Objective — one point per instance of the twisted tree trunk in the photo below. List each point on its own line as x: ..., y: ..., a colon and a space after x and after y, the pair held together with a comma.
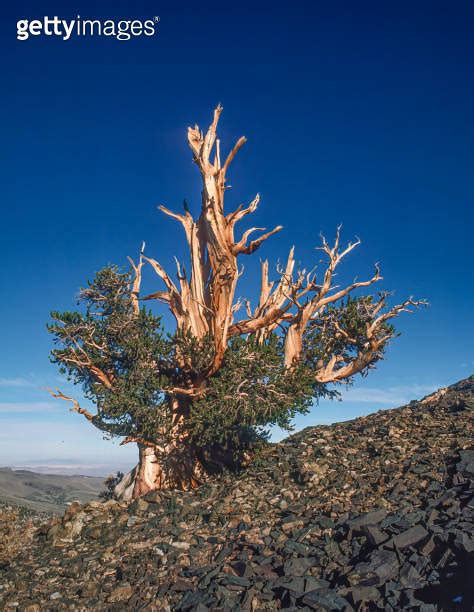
x: 158, y: 468
x: 177, y: 464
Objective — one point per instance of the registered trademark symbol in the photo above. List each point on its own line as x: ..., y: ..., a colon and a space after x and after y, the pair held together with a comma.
x: 156, y: 19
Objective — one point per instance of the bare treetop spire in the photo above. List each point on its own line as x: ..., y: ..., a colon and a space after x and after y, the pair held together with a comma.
x: 205, y: 301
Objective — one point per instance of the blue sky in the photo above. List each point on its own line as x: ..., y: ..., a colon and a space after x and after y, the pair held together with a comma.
x: 360, y: 113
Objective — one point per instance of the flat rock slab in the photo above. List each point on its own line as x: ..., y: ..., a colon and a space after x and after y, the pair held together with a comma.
x: 410, y: 537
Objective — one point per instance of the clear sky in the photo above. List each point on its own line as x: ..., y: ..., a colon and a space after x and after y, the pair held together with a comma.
x: 355, y: 112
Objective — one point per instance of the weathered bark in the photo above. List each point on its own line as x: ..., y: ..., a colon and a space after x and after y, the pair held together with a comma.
x: 177, y: 468
x: 177, y: 463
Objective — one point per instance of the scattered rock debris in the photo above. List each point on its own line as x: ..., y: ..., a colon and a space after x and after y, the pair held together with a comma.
x: 371, y: 514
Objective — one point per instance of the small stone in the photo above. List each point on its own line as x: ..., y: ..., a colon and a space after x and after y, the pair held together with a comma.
x: 299, y: 566
x: 370, y: 518
x: 181, y: 545
x: 290, y: 525
x: 122, y: 592
x: 317, y: 600
x: 428, y: 547
x: 235, y: 581
x: 382, y: 566
x: 139, y: 506
x: 182, y: 585
x: 466, y: 464
x: 374, y: 535
x: 153, y: 497
x: 365, y: 594
x: 410, y: 537
x: 410, y: 577
x: 464, y: 543
x: 89, y: 589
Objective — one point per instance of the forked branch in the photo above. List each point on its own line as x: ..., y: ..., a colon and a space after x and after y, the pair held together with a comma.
x: 75, y: 404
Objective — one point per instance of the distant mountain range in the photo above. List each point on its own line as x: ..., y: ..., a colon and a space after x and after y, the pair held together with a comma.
x: 46, y: 492
x: 70, y: 469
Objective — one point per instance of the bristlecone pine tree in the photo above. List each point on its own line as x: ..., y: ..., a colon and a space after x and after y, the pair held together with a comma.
x: 200, y: 399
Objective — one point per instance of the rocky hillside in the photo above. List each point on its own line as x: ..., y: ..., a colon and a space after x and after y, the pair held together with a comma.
x: 372, y: 514
x: 46, y: 492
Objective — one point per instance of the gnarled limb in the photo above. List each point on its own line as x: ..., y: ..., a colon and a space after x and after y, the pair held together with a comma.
x: 273, y: 307
x: 218, y: 230
x: 238, y: 145
x: 75, y: 404
x: 77, y: 355
x: 241, y: 212
x: 283, y: 304
x: 248, y: 249
x: 339, y: 368
x: 321, y: 298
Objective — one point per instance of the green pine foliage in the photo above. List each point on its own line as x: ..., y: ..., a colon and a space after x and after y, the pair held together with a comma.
x: 342, y: 330
x: 133, y: 351
x: 250, y: 392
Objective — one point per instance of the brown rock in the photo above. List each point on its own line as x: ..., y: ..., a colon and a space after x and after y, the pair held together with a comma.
x: 123, y: 592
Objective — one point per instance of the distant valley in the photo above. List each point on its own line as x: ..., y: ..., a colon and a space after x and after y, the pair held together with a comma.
x: 46, y: 492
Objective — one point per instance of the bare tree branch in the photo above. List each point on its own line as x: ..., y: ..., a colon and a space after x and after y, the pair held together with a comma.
x: 241, y: 212
x: 135, y: 288
x: 372, y: 351
x: 238, y: 145
x: 75, y: 404
x: 137, y: 440
x: 242, y: 247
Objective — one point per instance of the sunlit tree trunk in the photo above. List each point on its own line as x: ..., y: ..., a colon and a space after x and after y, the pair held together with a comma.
x: 177, y: 468
x: 172, y: 463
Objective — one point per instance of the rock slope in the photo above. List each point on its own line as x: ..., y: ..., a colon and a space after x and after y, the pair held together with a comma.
x: 371, y: 514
